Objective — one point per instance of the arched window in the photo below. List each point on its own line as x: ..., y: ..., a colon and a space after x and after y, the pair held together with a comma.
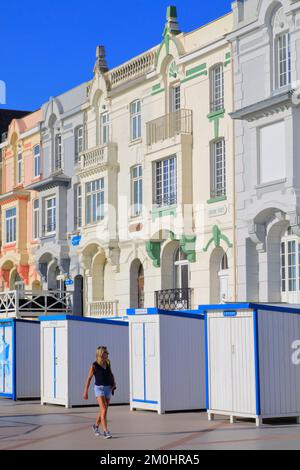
x: 224, y: 263
x: 282, y: 50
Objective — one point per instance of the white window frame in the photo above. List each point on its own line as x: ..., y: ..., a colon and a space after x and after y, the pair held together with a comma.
x: 94, y: 201
x: 283, y: 60
x: 218, y: 169
x: 36, y: 160
x: 290, y: 264
x: 50, y: 228
x: 136, y: 190
x: 79, y: 142
x: 136, y: 120
x: 19, y: 167
x: 165, y: 180
x: 35, y: 219
x: 11, y: 225
x: 78, y: 206
x: 104, y: 128
x: 179, y: 263
x: 175, y: 99
x: 217, y: 88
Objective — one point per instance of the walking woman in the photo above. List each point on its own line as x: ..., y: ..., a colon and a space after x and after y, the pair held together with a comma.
x: 104, y: 387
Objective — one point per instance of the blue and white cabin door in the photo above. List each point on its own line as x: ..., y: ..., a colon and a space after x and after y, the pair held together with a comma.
x: 220, y: 383
x: 232, y: 365
x: 243, y: 365
x: 60, y: 363
x: 151, y: 363
x: 6, y: 360
x: 55, y: 371
x: 137, y: 367
x: 144, y: 363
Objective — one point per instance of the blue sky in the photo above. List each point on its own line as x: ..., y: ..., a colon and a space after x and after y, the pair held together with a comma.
x: 49, y: 47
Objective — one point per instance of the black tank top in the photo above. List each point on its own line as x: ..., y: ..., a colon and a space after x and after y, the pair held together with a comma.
x: 103, y: 376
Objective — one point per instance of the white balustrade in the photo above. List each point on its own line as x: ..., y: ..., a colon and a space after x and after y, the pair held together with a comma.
x: 104, y: 309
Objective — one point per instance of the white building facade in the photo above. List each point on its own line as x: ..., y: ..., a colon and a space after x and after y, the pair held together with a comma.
x: 266, y: 45
x: 155, y: 181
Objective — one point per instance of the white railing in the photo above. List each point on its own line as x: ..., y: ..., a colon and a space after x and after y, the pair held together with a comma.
x: 133, y: 69
x: 104, y: 309
x: 93, y: 157
x: 97, y: 157
x: 169, y: 125
x: 32, y: 304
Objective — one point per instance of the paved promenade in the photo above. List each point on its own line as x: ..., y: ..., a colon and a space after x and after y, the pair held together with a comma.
x: 30, y: 426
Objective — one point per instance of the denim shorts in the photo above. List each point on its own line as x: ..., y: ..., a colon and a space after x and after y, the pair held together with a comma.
x: 103, y: 391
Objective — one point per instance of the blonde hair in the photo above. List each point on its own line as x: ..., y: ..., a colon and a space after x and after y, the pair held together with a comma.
x: 99, y: 355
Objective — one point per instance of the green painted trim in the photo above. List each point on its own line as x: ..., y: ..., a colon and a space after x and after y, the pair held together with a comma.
x: 188, y: 246
x: 200, y: 68
x: 227, y: 63
x: 216, y: 239
x: 164, y: 212
x: 216, y: 114
x: 173, y: 70
x: 157, y: 92
x: 217, y: 199
x: 215, y: 118
x: 153, y: 251
x: 194, y: 76
x: 228, y: 55
x: 156, y: 87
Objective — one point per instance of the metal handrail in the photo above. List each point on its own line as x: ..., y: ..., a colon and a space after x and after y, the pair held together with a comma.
x: 32, y: 304
x: 173, y: 299
x: 169, y: 125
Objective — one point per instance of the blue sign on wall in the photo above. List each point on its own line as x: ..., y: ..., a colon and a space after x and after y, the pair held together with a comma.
x: 230, y: 314
x: 69, y: 282
x: 76, y: 240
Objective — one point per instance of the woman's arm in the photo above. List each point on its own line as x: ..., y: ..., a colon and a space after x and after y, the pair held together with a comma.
x: 87, y: 384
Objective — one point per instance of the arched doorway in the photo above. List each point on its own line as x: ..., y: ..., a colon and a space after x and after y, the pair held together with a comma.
x: 219, y: 276
x: 137, y: 284
x: 78, y: 296
x: 16, y: 282
x: 175, y: 279
x: 224, y: 278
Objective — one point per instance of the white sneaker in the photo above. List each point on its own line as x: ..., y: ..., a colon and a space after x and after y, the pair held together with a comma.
x: 96, y: 430
x: 107, y: 435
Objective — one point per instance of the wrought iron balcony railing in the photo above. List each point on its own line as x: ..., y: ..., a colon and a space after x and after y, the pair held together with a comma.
x: 173, y: 299
x: 170, y: 125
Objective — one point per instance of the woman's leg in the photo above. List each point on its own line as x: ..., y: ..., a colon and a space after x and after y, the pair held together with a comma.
x: 103, y: 412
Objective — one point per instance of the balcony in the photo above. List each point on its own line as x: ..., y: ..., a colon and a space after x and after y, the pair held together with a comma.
x: 170, y: 125
x: 133, y: 69
x: 97, y: 158
x: 173, y: 299
x: 103, y: 309
x: 28, y: 304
